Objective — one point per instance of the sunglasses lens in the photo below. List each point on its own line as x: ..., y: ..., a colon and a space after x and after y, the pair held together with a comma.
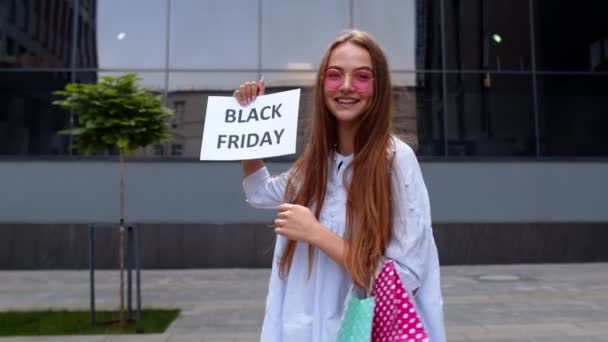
x: 333, y: 79
x: 362, y: 80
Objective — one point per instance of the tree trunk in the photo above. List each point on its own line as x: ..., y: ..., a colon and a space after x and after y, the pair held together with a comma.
x: 121, y: 247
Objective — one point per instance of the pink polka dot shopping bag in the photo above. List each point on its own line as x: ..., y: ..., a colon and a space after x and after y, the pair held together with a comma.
x: 388, y: 314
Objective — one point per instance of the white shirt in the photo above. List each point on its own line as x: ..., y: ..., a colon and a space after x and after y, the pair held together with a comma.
x: 300, y: 308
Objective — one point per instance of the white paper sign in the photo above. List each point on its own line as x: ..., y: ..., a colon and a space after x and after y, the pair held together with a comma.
x: 266, y: 128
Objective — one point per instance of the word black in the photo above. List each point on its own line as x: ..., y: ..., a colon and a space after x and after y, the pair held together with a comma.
x: 231, y: 114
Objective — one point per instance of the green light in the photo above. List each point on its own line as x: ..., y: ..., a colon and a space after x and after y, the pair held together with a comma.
x: 496, y: 38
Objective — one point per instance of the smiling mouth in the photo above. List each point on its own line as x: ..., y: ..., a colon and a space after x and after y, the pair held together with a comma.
x: 346, y: 101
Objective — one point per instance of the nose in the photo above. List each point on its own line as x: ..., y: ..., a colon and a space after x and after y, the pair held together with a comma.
x: 347, y: 84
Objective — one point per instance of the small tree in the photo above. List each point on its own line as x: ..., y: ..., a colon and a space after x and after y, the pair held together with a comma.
x: 115, y: 114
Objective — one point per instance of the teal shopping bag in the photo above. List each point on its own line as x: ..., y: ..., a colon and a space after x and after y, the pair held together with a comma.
x: 356, y: 325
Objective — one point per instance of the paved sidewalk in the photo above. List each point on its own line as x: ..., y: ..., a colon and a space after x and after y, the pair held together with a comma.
x: 542, y: 303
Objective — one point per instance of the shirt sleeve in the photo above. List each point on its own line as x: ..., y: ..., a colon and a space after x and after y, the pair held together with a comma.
x: 264, y: 191
x: 412, y: 231
x: 272, y: 327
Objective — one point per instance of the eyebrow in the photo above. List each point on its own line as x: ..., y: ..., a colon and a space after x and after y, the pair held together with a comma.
x: 342, y: 69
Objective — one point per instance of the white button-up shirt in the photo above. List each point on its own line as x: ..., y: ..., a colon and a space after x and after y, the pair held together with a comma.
x: 303, y: 308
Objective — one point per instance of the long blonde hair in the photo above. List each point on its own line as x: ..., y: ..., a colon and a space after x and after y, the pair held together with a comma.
x: 369, y: 206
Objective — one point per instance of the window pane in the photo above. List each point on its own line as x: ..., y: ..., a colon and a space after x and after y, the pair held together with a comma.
x: 131, y: 33
x: 573, y: 115
x: 427, y: 93
x: 296, y: 33
x: 214, y: 34
x: 571, y: 36
x: 490, y: 115
x: 86, y: 42
x: 489, y: 34
x: 187, y: 96
x: 208, y: 81
x: 428, y: 35
x: 37, y: 34
x: 28, y: 120
x: 393, y: 25
x: 405, y: 119
x: 153, y: 81
x: 292, y: 79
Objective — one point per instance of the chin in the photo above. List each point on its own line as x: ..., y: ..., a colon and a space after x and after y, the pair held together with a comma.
x: 347, y: 117
x: 346, y: 114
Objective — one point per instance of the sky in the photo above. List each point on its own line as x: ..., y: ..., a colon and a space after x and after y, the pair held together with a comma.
x: 218, y: 34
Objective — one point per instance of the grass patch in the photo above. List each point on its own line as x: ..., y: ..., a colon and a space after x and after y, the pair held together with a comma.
x: 64, y: 322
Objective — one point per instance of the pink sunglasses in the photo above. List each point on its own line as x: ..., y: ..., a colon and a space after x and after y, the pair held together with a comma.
x: 360, y: 80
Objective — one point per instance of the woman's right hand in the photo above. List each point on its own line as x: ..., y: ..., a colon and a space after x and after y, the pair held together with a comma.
x: 245, y: 95
x: 248, y: 92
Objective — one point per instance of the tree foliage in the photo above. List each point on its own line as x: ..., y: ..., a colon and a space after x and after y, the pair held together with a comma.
x: 115, y: 113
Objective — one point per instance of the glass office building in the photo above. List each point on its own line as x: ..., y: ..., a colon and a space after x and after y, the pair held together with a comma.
x: 483, y: 78
x: 497, y: 87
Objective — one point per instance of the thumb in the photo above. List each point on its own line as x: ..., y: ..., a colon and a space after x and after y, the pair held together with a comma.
x: 261, y: 86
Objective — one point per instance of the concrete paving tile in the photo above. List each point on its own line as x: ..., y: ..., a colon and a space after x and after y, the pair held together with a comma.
x: 137, y: 338
x: 185, y: 338
x: 79, y: 338
x: 550, y: 303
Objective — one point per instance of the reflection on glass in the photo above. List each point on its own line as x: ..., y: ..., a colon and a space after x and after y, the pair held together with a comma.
x: 28, y: 120
x: 428, y: 109
x: 297, y: 33
x: 571, y: 36
x: 187, y: 96
x: 393, y: 25
x: 405, y: 116
x: 489, y: 34
x: 131, y: 34
x: 214, y: 34
x: 39, y: 34
x: 208, y: 81
x: 490, y: 115
x: 153, y: 81
x: 573, y: 116
x: 304, y: 78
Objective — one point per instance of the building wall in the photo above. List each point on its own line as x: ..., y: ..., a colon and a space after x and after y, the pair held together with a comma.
x: 210, y: 192
x: 194, y: 214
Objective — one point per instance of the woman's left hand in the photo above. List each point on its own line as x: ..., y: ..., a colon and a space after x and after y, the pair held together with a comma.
x: 296, y: 222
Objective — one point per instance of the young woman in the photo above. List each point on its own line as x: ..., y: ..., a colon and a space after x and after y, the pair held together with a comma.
x: 355, y: 195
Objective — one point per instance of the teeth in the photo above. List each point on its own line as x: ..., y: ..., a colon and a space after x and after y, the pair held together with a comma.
x: 347, y: 100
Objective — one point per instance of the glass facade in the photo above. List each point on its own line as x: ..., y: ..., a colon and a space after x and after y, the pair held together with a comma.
x: 472, y: 78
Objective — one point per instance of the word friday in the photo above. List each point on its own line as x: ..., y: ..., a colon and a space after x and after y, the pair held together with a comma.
x: 248, y: 140
x: 251, y: 139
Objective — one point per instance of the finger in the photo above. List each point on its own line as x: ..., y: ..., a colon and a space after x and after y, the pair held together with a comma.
x: 279, y: 223
x: 285, y: 207
x: 282, y: 215
x: 284, y: 232
x: 237, y: 96
x: 261, y: 87
x: 251, y: 90
x: 242, y: 93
